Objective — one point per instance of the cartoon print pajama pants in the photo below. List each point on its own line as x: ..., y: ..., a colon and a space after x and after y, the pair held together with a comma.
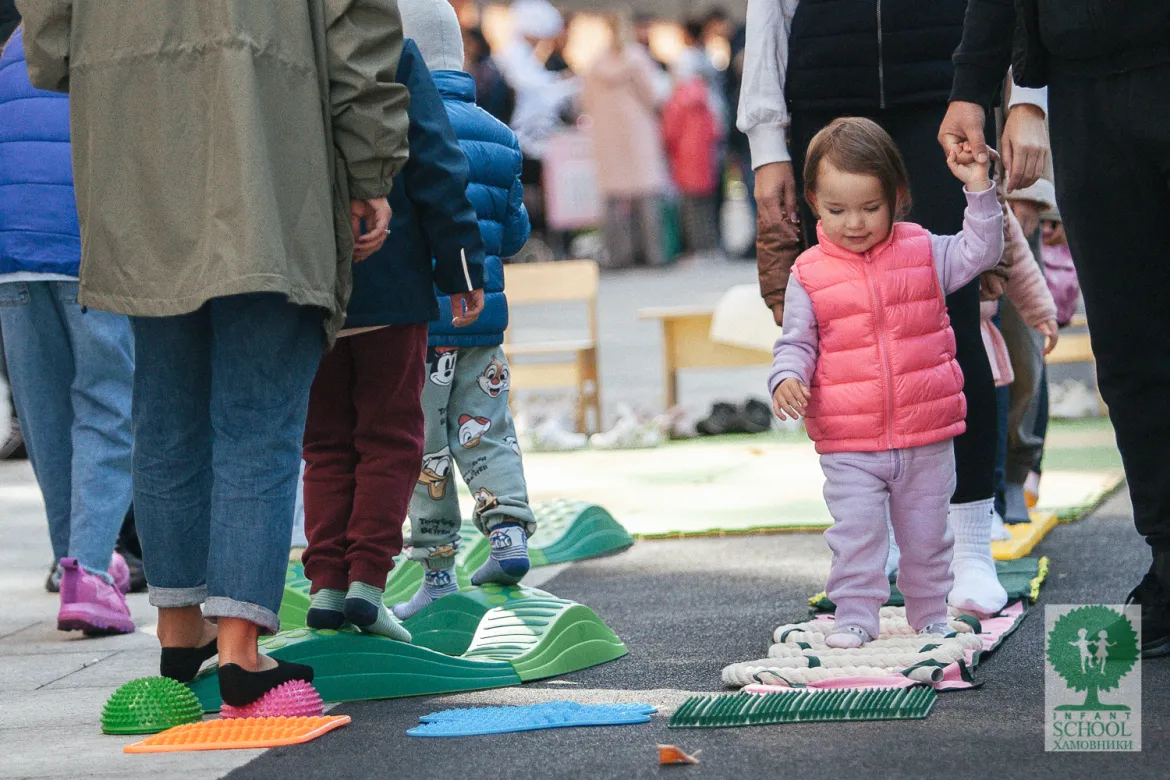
x: 916, y: 484
x: 468, y: 424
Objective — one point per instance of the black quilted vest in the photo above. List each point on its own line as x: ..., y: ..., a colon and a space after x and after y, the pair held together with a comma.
x: 863, y: 55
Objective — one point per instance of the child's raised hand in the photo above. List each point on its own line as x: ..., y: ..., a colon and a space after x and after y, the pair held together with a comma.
x: 790, y: 399
x: 1051, y: 333
x: 961, y: 160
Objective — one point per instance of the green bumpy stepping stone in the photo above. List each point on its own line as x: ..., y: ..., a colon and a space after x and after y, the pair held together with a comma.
x: 449, y: 624
x: 351, y: 666
x: 746, y: 709
x: 149, y: 705
x: 295, y: 603
x: 574, y: 531
x: 543, y: 636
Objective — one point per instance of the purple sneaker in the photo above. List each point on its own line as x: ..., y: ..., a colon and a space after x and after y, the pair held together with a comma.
x: 120, y: 571
x: 90, y: 604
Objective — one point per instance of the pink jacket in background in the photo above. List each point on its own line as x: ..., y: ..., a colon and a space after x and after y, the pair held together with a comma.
x: 1061, y: 276
x: 627, y: 142
x: 692, y: 134
x: 1028, y: 292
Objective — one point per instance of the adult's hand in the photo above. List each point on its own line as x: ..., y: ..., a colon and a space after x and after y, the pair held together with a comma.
x: 376, y: 214
x: 1025, y: 146
x: 776, y: 192
x: 964, y: 124
x: 466, y: 308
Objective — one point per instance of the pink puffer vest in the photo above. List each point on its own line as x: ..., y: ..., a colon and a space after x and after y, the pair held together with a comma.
x: 886, y: 375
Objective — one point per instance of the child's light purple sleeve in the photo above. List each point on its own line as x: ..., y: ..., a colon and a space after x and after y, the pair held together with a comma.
x: 959, y: 259
x: 795, y: 353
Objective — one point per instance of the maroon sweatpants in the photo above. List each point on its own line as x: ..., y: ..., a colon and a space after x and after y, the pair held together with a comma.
x: 363, y: 454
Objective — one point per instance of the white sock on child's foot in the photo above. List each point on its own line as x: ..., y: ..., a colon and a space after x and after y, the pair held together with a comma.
x: 976, y: 587
x: 436, y: 584
x: 848, y: 638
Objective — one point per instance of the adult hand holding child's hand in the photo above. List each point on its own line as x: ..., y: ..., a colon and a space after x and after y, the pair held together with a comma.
x: 790, y: 399
x: 964, y: 164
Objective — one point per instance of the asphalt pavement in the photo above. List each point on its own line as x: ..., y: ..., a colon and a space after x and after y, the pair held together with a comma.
x: 686, y: 608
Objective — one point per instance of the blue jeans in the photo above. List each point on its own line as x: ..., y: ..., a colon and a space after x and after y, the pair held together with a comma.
x: 71, y: 374
x: 220, y: 398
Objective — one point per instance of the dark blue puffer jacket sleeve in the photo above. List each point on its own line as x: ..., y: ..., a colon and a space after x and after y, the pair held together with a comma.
x: 516, y: 225
x: 436, y: 182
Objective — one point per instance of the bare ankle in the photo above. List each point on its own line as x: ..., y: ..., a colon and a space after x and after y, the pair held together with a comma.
x: 181, y: 627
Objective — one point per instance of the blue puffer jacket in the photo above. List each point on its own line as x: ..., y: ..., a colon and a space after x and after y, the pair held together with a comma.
x: 432, y: 218
x: 493, y: 155
x: 38, y: 214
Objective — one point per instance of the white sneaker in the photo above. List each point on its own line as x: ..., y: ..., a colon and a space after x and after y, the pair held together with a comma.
x: 628, y: 433
x: 551, y: 436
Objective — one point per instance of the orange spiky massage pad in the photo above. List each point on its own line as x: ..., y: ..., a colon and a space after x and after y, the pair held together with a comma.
x: 238, y: 734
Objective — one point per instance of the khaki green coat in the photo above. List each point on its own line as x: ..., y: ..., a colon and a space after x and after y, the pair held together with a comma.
x: 216, y: 143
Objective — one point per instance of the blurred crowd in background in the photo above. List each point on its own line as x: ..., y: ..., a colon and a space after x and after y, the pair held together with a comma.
x: 627, y: 125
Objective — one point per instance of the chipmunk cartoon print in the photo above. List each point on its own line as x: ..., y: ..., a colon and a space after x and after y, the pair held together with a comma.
x: 485, y: 501
x: 472, y: 429
x: 441, y: 364
x: 495, y: 379
x: 511, y: 442
x: 436, y: 472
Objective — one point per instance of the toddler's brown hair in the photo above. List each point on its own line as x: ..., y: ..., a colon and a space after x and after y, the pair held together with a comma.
x: 861, y: 146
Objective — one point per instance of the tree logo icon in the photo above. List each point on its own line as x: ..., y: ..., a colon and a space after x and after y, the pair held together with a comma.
x: 1093, y: 648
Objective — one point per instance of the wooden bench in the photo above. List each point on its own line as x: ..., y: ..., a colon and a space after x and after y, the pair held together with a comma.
x: 686, y: 343
x: 544, y: 364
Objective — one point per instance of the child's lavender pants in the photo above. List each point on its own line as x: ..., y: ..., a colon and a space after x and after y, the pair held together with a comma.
x: 916, y: 484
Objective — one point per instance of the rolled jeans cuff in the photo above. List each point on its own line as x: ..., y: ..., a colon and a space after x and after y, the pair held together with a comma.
x: 174, y: 598
x: 221, y: 607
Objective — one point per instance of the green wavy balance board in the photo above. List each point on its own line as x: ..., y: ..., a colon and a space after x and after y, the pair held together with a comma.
x: 509, y: 635
x: 569, y: 531
x: 449, y: 624
x: 575, y: 531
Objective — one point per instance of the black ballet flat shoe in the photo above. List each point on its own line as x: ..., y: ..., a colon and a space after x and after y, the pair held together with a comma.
x: 239, y: 687
x: 182, y: 663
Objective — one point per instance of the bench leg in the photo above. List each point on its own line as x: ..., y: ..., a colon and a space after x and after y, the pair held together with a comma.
x: 588, y: 392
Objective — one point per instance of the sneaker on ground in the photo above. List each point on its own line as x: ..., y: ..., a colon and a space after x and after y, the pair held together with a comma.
x: 724, y: 418
x: 1032, y: 489
x: 552, y: 436
x: 11, y: 440
x: 1154, y: 601
x: 90, y: 604
x: 628, y: 433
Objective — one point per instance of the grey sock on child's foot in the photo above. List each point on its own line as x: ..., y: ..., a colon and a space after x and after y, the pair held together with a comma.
x: 509, y: 557
x: 326, y: 609
x: 364, y: 608
x: 436, y: 584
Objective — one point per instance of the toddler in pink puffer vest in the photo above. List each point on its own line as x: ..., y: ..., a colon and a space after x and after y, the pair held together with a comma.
x: 867, y: 357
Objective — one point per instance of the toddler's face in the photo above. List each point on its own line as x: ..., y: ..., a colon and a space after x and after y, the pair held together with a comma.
x: 1052, y: 233
x: 854, y: 212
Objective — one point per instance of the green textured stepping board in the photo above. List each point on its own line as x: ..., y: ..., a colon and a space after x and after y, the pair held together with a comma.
x: 510, y: 635
x: 543, y: 636
x: 349, y: 666
x: 574, y: 531
x: 1021, y: 578
x: 569, y: 531
x: 449, y: 624
x: 746, y: 709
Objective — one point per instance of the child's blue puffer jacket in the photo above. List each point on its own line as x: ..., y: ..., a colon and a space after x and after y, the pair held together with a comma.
x: 494, y: 189
x: 38, y: 213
